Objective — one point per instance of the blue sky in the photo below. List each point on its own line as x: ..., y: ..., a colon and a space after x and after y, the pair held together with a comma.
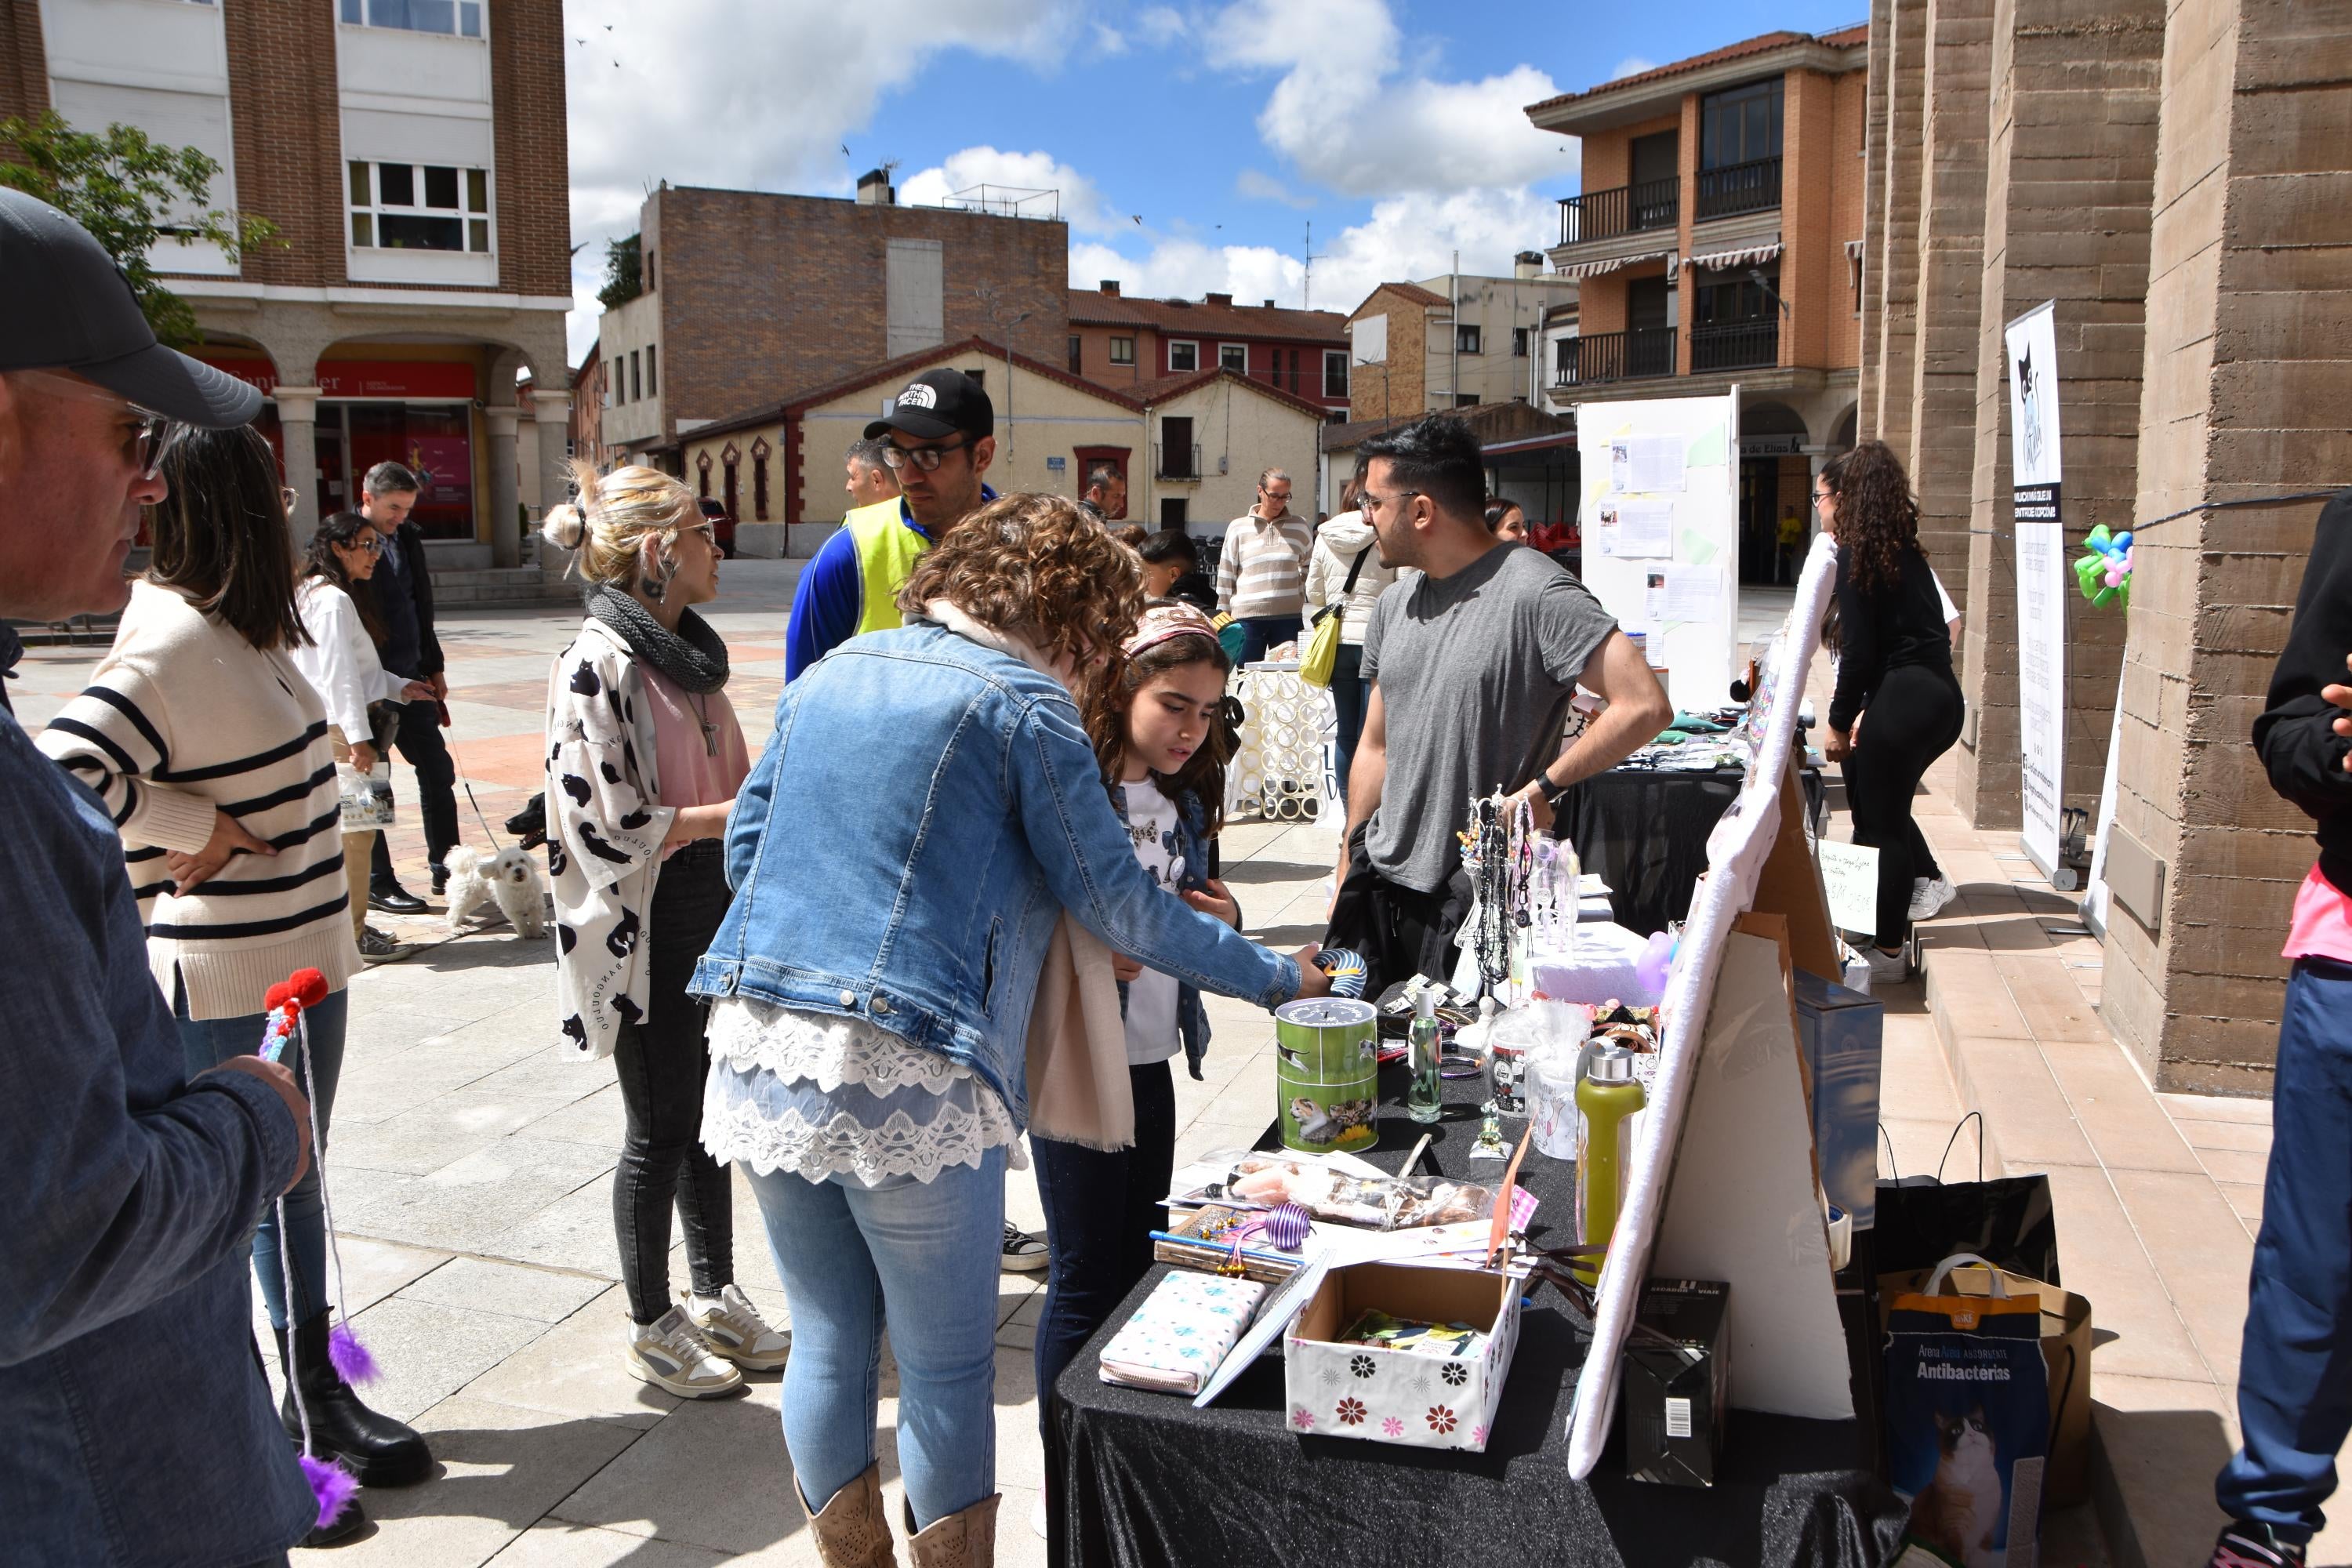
x: 1393, y: 126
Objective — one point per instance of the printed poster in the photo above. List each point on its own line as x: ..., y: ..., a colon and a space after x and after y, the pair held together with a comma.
x: 2032, y: 346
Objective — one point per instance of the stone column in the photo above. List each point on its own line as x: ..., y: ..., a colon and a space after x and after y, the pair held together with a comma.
x: 1873, y: 217
x: 298, y: 423
x: 506, y: 536
x: 551, y: 411
x: 2243, y: 396
x: 1897, y: 257
x: 2070, y: 170
x: 1950, y: 283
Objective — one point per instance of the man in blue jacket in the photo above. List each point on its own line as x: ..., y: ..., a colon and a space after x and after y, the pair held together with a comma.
x: 138, y: 1425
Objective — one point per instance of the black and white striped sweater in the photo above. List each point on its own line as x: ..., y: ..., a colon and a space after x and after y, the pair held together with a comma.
x: 181, y: 718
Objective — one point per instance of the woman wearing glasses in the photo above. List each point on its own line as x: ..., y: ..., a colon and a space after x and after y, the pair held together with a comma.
x: 209, y: 750
x: 1895, y: 660
x: 342, y: 661
x: 643, y: 757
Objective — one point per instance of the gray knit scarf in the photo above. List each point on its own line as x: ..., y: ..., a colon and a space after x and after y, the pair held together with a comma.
x: 692, y: 655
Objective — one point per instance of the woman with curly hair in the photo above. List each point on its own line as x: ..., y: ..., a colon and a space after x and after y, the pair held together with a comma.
x: 930, y: 884
x: 1895, y: 660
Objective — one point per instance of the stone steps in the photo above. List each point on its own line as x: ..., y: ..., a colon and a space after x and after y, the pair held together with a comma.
x: 499, y: 587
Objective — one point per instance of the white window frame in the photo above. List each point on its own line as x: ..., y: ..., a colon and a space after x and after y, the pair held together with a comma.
x: 376, y: 210
x: 1175, y: 343
x: 458, y: 10
x: 1117, y: 358
x: 1240, y: 349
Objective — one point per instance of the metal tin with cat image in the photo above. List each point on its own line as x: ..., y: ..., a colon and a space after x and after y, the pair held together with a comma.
x: 1326, y: 1073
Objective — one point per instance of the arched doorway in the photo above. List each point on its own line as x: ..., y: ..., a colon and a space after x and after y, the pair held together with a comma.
x: 1774, y: 479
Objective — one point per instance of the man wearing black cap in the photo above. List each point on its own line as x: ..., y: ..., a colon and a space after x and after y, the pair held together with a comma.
x: 139, y: 1428
x: 938, y: 438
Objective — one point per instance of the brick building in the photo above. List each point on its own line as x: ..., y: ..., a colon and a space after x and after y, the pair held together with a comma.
x: 1117, y: 341
x: 1719, y: 237
x: 749, y: 296
x: 586, y: 427
x: 414, y: 163
x: 1454, y: 340
x: 2171, y: 176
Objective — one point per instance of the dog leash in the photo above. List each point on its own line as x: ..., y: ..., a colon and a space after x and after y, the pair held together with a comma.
x: 479, y: 815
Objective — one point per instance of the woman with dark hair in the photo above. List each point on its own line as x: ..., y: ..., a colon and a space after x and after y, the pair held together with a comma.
x: 343, y: 662
x: 908, y: 981
x: 1895, y: 660
x: 1506, y: 519
x: 209, y: 749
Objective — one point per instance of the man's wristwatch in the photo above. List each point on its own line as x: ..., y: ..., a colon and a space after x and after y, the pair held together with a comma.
x: 1550, y: 792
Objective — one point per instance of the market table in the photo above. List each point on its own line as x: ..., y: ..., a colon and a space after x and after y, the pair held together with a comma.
x: 1143, y: 1478
x: 1644, y: 831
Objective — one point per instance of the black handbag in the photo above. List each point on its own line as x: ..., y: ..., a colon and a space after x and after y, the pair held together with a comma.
x: 2008, y: 1221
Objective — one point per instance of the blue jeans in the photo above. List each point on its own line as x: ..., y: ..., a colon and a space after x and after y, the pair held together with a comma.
x: 921, y: 1256
x: 2294, y: 1372
x: 1348, y: 694
x: 1264, y: 635
x: 213, y: 1042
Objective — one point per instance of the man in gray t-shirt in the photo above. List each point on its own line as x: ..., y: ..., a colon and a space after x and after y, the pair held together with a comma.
x: 1470, y: 665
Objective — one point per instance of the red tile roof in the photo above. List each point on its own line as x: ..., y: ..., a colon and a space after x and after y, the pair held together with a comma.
x: 1763, y: 43
x: 891, y: 370
x: 1184, y: 318
x: 1162, y: 389
x: 1413, y: 292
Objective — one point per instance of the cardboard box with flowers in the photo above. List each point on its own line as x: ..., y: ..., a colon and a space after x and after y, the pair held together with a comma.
x: 1401, y: 1354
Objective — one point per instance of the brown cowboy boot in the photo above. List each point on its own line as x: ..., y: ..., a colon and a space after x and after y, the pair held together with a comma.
x: 852, y: 1530
x: 966, y: 1540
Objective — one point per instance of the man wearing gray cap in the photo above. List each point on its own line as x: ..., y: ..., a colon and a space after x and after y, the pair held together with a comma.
x: 139, y: 1428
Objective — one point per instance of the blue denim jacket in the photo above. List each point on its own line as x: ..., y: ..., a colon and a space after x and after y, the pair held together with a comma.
x: 135, y: 1426
x: 1192, y: 844
x: 903, y: 848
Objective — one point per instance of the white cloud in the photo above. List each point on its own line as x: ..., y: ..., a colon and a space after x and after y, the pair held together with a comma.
x: 652, y: 95
x: 1081, y: 202
x: 1347, y: 114
x: 1264, y: 187
x: 1109, y: 40
x: 1160, y: 25
x: 1632, y: 65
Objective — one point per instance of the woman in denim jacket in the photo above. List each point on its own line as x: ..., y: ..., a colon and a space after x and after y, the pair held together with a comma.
x: 929, y: 882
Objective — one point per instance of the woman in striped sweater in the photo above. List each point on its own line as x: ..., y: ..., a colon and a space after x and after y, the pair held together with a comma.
x: 209, y: 750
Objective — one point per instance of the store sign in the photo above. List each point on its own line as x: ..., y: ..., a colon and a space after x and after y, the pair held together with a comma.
x: 426, y: 380
x: 2032, y: 345
x: 1771, y: 446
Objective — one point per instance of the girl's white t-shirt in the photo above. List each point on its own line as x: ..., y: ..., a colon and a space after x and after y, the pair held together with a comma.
x: 1151, y: 995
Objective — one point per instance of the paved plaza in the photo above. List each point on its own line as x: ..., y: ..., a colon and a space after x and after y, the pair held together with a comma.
x: 471, y: 1172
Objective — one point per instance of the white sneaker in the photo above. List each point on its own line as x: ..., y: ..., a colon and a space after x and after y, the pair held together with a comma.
x: 1888, y: 968
x: 1929, y: 895
x: 1024, y: 1253
x: 734, y: 1330
x: 671, y: 1354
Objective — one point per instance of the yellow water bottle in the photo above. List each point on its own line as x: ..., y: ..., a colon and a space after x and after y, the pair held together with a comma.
x: 1606, y: 1098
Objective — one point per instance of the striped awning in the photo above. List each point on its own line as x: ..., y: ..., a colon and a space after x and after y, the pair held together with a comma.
x: 1731, y: 260
x: 1581, y: 269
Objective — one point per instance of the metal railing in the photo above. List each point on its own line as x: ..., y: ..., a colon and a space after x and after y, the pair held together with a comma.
x: 1175, y: 462
x: 1735, y: 345
x: 1626, y: 209
x: 1633, y: 355
x: 1738, y: 189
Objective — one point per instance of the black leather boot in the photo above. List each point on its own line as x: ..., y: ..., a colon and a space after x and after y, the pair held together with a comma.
x: 379, y: 1451
x: 348, y: 1523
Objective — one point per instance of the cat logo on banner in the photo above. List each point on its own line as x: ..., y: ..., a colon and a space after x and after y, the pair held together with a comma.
x: 1967, y: 1421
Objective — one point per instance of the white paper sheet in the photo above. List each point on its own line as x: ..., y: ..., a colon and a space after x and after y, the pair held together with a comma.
x: 1636, y: 528
x: 1645, y: 464
x: 1850, y: 876
x: 1693, y: 594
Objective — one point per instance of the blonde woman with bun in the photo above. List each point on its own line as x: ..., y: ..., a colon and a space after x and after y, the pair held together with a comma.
x: 643, y: 758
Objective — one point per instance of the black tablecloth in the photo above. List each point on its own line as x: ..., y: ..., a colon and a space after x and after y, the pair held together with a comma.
x: 1644, y: 831
x: 1145, y: 1480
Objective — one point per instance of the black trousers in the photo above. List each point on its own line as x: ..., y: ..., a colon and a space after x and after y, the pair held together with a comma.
x: 422, y: 746
x: 1101, y: 1207
x: 1912, y: 717
x: 662, y: 1062
x: 1400, y: 932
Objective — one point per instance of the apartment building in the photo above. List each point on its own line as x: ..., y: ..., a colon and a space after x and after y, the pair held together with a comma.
x: 746, y: 297
x: 1718, y: 240
x: 1454, y: 340
x: 412, y: 158
x: 1118, y: 342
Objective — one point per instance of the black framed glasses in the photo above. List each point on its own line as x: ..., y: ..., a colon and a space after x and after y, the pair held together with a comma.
x: 927, y: 458
x: 1372, y: 503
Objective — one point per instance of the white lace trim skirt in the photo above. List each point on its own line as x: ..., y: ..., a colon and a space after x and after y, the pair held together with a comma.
x: 828, y: 1096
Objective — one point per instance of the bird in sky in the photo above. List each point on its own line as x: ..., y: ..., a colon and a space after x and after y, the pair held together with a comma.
x: 1137, y: 217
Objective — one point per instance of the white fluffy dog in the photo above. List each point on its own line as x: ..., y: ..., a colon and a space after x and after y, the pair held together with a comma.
x: 509, y: 878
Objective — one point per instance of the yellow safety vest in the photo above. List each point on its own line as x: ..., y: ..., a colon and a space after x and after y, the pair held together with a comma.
x: 886, y: 551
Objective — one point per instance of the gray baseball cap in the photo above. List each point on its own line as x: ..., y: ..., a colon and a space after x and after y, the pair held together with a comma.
x: 71, y: 308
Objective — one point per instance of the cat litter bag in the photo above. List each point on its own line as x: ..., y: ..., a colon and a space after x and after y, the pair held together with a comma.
x: 1968, y: 1419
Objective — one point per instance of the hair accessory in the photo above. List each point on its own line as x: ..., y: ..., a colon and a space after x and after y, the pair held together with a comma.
x: 1165, y: 622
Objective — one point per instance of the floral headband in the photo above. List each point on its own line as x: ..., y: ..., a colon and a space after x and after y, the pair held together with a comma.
x: 1165, y: 622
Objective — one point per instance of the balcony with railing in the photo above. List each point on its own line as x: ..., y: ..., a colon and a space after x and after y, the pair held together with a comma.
x: 1603, y: 357
x: 1625, y: 209
x: 1737, y: 188
x: 1175, y: 461
x: 1735, y: 345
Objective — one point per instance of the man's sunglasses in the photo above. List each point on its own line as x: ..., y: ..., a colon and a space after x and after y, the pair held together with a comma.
x: 927, y: 458
x: 157, y: 433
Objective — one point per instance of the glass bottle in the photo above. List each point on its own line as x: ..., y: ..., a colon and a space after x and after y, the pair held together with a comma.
x: 1426, y: 1096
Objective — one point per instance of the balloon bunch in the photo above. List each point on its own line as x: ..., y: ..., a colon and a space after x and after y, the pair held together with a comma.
x: 2104, y: 571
